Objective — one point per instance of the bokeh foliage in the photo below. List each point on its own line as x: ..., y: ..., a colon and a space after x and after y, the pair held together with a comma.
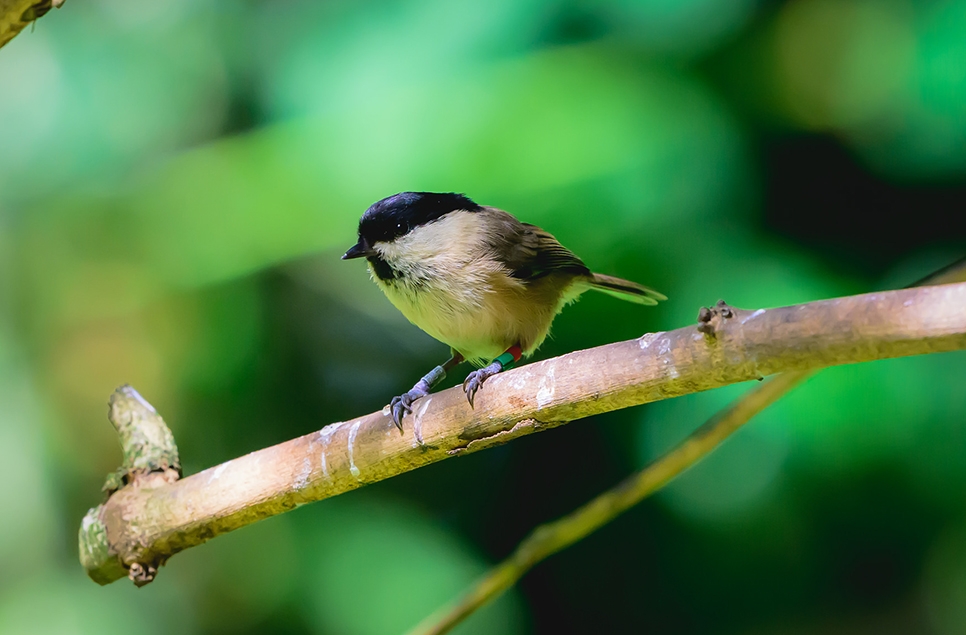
x: 178, y: 179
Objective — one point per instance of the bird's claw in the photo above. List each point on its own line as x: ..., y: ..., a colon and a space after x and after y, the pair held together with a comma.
x: 471, y: 384
x: 474, y: 381
x: 403, y: 404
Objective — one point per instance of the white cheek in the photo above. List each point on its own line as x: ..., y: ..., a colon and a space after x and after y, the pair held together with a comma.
x: 438, y: 247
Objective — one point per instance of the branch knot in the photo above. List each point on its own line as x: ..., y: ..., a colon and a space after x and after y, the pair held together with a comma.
x: 711, y: 318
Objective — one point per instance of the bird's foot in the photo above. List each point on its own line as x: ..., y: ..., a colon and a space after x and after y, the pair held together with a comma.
x: 474, y: 381
x: 404, y: 402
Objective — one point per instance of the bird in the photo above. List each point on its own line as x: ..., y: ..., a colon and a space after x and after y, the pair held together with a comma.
x: 474, y: 278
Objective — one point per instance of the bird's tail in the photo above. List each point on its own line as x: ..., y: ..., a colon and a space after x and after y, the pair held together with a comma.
x: 625, y: 289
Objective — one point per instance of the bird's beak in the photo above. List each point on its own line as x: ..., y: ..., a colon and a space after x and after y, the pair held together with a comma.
x: 358, y: 250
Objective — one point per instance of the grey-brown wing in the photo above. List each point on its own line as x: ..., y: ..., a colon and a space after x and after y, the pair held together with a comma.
x: 528, y: 251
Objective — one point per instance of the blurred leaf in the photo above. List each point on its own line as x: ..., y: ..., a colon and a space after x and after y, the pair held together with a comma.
x: 380, y: 567
x: 245, y: 578
x: 843, y: 64
x: 888, y: 76
x: 678, y: 26
x: 27, y: 527
x: 94, y: 105
x: 52, y: 603
x: 244, y: 203
x: 944, y: 583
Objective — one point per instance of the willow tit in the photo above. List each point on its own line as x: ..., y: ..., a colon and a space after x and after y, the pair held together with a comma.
x: 475, y: 278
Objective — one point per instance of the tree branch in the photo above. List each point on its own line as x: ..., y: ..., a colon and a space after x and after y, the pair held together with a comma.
x: 145, y: 525
x: 150, y: 459
x: 16, y: 14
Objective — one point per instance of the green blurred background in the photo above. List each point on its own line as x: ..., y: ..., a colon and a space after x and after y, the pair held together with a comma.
x: 178, y: 180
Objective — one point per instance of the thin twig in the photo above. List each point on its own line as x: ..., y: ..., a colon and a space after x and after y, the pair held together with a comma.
x: 551, y: 538
x: 548, y: 539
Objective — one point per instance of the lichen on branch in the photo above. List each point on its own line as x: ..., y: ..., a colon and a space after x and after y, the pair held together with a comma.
x: 150, y: 460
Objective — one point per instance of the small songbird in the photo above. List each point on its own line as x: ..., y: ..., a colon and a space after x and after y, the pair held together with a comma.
x: 475, y: 278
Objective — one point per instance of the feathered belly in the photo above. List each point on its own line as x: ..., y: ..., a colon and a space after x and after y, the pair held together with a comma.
x: 479, y: 322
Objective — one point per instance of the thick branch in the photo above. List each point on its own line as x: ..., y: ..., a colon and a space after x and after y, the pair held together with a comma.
x: 145, y: 526
x: 16, y: 14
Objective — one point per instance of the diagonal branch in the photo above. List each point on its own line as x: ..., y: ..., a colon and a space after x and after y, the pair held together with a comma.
x: 546, y: 540
x: 144, y: 525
